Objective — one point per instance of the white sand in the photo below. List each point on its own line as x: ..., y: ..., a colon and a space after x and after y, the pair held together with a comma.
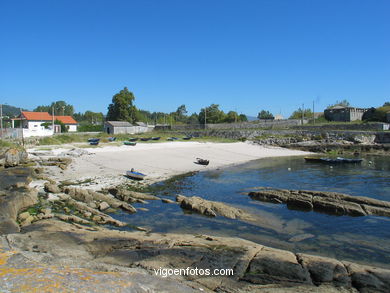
x: 108, y: 164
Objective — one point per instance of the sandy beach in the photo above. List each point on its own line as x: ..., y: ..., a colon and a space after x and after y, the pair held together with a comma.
x: 107, y: 165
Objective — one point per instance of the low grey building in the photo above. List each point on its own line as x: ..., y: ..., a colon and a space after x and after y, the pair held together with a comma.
x: 118, y: 127
x: 344, y: 114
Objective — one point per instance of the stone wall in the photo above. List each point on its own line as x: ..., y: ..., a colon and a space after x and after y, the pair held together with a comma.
x: 375, y: 126
x: 353, y: 136
x: 245, y: 125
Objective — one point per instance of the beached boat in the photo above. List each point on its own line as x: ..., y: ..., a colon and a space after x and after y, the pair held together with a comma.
x: 94, y: 142
x: 129, y: 143
x: 156, y: 138
x: 338, y: 160
x: 135, y: 175
x: 133, y: 138
x: 172, y: 138
x: 111, y: 138
x: 145, y: 138
x: 187, y: 137
x: 93, y: 139
x: 202, y: 161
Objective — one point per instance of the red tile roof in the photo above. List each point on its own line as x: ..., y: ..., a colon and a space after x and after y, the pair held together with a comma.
x: 66, y: 119
x: 44, y: 116
x: 37, y: 116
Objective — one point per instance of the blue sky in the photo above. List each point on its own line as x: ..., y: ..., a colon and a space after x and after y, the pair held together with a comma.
x: 244, y: 55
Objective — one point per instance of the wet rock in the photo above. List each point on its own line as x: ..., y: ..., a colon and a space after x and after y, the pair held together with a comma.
x: 167, y: 200
x: 212, y: 208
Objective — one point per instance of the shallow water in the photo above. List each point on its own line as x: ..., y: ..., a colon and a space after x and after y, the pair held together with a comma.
x: 360, y: 239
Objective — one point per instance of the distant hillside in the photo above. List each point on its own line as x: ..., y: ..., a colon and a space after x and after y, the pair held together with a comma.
x: 251, y: 118
x: 11, y: 111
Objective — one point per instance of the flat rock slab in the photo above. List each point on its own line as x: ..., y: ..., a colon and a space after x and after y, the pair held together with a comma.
x: 51, y: 244
x: 332, y: 203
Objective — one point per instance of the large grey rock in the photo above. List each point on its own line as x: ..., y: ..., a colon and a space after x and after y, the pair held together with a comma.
x: 325, y: 270
x: 13, y: 157
x: 271, y: 266
x: 324, y: 202
x: 212, y: 208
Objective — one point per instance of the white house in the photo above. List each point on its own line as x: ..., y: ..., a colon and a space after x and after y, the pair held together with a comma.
x: 32, y: 123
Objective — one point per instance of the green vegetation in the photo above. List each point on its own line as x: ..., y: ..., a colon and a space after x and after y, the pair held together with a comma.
x: 7, y: 144
x: 213, y: 114
x: 263, y: 114
x: 122, y: 108
x: 60, y: 108
x: 377, y: 114
x: 307, y: 114
x: 342, y: 103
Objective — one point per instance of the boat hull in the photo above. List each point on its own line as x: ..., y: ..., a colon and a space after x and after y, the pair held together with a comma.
x: 135, y: 175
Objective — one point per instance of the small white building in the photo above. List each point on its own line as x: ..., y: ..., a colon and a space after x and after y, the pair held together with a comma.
x: 32, y: 123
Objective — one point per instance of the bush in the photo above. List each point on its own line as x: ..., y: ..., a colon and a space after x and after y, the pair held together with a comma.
x: 89, y: 128
x: 378, y: 114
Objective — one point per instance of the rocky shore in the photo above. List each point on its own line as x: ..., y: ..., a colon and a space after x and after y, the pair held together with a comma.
x: 60, y: 235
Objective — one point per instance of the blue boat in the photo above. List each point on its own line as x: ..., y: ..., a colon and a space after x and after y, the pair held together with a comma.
x: 135, y: 175
x: 93, y: 140
x: 111, y: 138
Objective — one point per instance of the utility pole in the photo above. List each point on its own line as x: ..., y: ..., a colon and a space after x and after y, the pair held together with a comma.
x: 63, y: 110
x: 1, y: 118
x: 52, y: 116
x: 313, y: 114
x: 21, y: 128
x: 205, y: 117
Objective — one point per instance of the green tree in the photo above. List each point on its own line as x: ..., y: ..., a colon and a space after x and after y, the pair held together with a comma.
x: 64, y: 128
x: 243, y: 118
x: 307, y: 113
x: 60, y: 108
x: 193, y: 119
x: 122, y: 108
x: 180, y: 114
x: 231, y: 116
x: 386, y: 104
x: 213, y: 114
x: 263, y: 114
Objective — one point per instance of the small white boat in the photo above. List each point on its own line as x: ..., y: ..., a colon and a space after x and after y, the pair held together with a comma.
x: 135, y: 175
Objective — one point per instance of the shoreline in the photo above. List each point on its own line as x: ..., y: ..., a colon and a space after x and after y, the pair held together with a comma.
x: 106, y: 166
